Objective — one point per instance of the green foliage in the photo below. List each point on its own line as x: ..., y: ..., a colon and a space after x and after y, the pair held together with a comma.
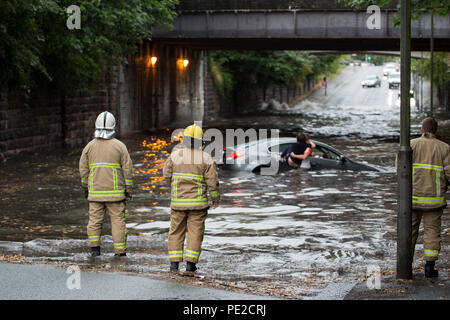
x: 222, y: 78
x: 377, y: 60
x: 441, y: 74
x: 440, y: 7
x: 266, y: 68
x: 37, y: 49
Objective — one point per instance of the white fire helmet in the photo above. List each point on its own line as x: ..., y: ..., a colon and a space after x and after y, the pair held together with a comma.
x: 104, y: 126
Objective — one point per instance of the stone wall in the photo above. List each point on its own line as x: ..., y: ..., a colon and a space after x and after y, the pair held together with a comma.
x: 46, y: 121
x: 163, y: 94
x: 215, y: 105
x: 142, y: 96
x: 250, y: 99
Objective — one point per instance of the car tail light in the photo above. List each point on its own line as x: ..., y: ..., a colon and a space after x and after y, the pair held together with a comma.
x: 235, y: 155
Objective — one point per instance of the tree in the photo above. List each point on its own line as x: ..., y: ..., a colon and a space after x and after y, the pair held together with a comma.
x: 237, y: 69
x: 37, y: 49
x: 440, y: 7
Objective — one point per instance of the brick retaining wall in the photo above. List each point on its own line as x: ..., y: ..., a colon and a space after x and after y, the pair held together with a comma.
x: 48, y: 122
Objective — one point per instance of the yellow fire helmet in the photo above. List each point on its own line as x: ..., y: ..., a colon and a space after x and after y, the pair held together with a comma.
x: 194, y: 131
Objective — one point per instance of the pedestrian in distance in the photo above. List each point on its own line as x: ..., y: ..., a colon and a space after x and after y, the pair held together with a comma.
x: 191, y: 172
x: 106, y: 176
x: 431, y: 175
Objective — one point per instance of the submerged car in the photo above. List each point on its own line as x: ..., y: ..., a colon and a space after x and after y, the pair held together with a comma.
x: 257, y: 154
x: 371, y: 81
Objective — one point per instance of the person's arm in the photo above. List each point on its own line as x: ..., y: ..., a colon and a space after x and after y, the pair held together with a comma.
x: 168, y: 170
x: 127, y: 169
x: 84, y: 169
x: 447, y: 166
x: 313, y: 145
x: 302, y: 156
x: 212, y: 181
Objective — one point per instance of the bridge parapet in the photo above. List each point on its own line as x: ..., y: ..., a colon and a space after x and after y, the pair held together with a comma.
x: 297, y: 25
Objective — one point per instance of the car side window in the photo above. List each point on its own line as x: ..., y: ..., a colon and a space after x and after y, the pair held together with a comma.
x: 320, y: 152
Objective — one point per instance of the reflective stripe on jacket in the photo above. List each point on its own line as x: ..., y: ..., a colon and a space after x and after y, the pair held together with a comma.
x: 191, y: 173
x: 430, y: 171
x: 106, y: 170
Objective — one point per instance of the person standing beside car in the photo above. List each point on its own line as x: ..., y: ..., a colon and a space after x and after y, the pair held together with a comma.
x: 300, y: 150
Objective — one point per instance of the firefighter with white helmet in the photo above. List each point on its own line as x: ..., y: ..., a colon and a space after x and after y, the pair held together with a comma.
x: 191, y: 172
x: 106, y: 174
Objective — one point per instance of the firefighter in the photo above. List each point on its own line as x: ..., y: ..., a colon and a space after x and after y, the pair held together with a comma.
x: 431, y: 172
x: 191, y: 172
x: 106, y: 175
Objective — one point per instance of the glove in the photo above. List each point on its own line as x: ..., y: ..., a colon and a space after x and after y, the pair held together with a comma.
x: 215, y: 203
x: 86, y: 193
x: 128, y: 195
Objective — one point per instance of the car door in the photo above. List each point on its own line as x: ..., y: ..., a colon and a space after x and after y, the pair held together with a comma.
x: 324, y: 158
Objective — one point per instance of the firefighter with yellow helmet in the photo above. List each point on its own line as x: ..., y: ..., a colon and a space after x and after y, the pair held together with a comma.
x: 191, y: 173
x: 106, y: 174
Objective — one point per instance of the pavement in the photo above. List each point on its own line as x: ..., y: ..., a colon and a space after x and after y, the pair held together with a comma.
x: 389, y: 288
x: 420, y: 288
x: 43, y: 282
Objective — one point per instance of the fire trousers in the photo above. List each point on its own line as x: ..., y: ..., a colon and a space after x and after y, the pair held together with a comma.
x: 192, y: 223
x: 116, y: 212
x: 432, y: 232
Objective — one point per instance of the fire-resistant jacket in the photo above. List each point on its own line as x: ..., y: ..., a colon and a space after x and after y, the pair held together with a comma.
x: 430, y: 171
x: 191, y: 172
x: 106, y: 169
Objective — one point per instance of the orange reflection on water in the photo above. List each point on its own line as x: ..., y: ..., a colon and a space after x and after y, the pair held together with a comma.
x: 156, y: 150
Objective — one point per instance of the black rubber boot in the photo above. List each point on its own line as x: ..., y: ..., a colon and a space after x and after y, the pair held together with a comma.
x: 95, y: 251
x: 430, y: 272
x: 174, y: 266
x: 120, y: 254
x: 190, y: 267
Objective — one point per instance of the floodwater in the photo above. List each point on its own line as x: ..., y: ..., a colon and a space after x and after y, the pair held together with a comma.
x: 297, y: 229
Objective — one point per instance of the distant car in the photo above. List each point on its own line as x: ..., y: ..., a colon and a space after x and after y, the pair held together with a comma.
x: 371, y: 81
x: 394, y: 80
x: 357, y: 63
x: 345, y: 62
x: 263, y: 151
x: 390, y: 68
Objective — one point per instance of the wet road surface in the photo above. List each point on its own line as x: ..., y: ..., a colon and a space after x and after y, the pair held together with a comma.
x: 287, y: 235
